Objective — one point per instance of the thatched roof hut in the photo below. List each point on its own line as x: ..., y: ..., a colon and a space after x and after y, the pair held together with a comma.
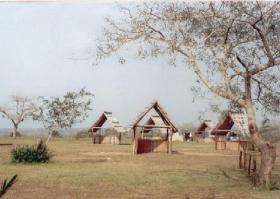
x: 114, y: 124
x: 112, y: 121
x: 161, y: 114
x: 205, y: 125
x: 227, y: 121
x: 161, y: 121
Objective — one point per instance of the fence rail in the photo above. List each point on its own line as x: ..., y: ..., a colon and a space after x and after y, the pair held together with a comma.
x: 248, y: 161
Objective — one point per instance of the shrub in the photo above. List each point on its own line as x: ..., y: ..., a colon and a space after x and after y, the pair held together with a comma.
x: 56, y: 134
x: 29, y: 153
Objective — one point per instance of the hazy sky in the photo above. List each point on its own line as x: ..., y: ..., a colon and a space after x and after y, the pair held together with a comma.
x: 47, y: 49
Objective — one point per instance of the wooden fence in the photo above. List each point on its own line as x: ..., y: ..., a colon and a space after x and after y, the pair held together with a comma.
x: 150, y: 145
x: 108, y: 139
x: 248, y: 160
x: 221, y: 144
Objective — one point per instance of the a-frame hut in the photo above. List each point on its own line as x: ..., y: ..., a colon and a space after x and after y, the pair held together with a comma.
x: 225, y: 127
x: 98, y: 136
x: 205, y: 128
x: 226, y: 122
x: 146, y: 145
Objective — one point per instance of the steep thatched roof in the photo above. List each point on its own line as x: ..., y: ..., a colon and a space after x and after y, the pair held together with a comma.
x: 160, y: 111
x: 227, y: 121
x: 113, y: 122
x: 204, y: 125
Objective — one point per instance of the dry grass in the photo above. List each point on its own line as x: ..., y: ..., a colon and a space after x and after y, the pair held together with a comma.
x: 82, y: 170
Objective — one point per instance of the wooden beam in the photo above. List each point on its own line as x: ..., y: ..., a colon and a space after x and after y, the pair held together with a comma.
x: 240, y: 159
x: 101, y: 127
x: 153, y: 126
x: 249, y: 166
x: 170, y: 141
x: 134, y: 142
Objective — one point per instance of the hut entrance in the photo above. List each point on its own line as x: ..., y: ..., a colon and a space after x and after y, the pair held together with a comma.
x: 111, y: 135
x: 153, y: 139
x: 156, y: 134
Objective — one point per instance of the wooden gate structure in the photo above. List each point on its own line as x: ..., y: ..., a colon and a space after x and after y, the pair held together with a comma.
x: 96, y: 130
x: 162, y: 122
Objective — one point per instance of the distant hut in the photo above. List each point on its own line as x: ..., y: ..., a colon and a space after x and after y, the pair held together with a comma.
x: 99, y: 136
x: 226, y: 136
x: 143, y: 144
x: 226, y: 122
x: 204, y: 130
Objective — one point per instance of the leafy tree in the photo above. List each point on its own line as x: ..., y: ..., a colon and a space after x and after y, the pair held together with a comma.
x: 22, y: 107
x: 233, y: 48
x: 60, y: 113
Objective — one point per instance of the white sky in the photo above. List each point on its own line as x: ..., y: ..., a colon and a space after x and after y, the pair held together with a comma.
x: 48, y: 48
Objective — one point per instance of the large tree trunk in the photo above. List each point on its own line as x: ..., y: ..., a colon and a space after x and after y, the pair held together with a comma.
x: 268, y: 151
x: 15, y: 131
x: 268, y: 157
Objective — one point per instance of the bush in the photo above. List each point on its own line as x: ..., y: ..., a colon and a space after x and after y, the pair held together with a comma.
x: 28, y: 154
x: 56, y: 134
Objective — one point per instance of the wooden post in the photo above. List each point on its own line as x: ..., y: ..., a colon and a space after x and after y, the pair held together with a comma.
x: 169, y: 141
x: 134, y: 141
x: 152, y: 144
x: 254, y: 164
x: 245, y: 159
x: 238, y: 146
x: 171, y: 136
x: 240, y: 159
x: 216, y: 141
x: 120, y: 138
x: 249, y: 166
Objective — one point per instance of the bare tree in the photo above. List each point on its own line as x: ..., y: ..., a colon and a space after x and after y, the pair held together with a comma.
x: 22, y: 108
x: 232, y: 47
